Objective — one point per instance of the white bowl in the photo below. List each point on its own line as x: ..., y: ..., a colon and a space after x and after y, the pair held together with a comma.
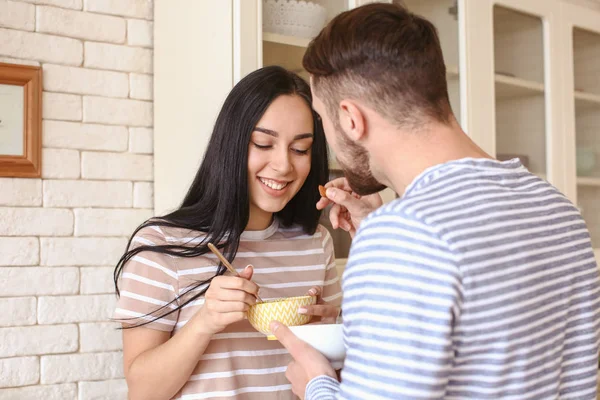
x: 328, y: 339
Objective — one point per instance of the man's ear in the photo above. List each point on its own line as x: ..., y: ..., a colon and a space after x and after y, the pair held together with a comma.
x: 352, y: 120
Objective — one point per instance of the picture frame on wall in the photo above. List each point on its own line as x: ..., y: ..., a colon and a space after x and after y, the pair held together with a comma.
x: 20, y: 121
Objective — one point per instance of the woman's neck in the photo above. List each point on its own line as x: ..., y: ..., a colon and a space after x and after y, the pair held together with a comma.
x: 259, y: 220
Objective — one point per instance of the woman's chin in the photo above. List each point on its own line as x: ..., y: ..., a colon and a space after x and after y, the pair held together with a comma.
x: 271, y: 207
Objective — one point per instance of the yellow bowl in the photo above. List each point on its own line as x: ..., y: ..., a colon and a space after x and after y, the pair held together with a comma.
x: 283, y: 310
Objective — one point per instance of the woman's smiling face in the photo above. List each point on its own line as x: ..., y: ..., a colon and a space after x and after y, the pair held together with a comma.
x: 279, y: 153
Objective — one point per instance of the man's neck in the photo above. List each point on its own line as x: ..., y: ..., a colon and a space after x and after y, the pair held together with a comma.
x: 414, y: 152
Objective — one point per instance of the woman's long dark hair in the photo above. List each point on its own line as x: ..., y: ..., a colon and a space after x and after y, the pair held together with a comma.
x: 217, y: 203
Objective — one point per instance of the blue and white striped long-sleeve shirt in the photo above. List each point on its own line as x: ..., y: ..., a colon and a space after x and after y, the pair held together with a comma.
x: 479, y: 283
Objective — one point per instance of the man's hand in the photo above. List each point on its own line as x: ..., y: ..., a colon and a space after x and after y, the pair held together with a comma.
x: 349, y: 209
x: 308, y: 363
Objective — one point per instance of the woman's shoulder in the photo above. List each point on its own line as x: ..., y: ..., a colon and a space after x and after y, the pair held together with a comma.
x: 158, y: 235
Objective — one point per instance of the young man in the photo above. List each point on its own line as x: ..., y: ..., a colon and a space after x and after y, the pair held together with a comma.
x: 480, y: 281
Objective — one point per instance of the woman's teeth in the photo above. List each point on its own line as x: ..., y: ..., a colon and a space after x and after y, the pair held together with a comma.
x: 273, y: 184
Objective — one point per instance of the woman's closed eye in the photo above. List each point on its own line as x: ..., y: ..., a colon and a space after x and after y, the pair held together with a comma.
x: 301, y: 152
x: 296, y: 150
x: 262, y: 146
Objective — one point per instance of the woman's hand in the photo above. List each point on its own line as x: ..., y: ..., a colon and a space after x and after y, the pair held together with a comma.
x: 349, y: 209
x: 226, y: 301
x: 326, y: 314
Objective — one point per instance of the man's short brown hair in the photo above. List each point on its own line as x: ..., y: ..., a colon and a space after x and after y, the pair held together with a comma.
x: 385, y: 56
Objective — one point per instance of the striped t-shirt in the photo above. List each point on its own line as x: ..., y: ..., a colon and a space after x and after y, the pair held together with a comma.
x: 239, y: 363
x: 479, y: 283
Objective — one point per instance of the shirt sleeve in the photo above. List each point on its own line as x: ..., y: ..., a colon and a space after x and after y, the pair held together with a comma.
x: 402, y: 294
x: 148, y: 286
x: 332, y: 289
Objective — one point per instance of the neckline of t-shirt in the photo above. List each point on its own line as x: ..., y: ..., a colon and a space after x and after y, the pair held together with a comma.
x: 261, y: 235
x: 488, y: 164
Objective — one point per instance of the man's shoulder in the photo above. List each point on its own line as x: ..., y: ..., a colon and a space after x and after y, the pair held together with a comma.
x: 394, y: 213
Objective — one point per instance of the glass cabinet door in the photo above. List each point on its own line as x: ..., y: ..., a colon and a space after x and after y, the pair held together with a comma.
x: 586, y: 71
x: 521, y: 130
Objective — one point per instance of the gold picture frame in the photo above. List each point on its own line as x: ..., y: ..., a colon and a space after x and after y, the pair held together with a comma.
x: 20, y: 121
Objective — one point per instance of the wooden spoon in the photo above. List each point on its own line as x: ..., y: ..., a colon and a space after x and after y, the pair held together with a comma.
x: 229, y: 267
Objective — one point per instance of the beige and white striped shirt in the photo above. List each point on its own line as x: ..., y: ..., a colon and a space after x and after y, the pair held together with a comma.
x: 239, y: 363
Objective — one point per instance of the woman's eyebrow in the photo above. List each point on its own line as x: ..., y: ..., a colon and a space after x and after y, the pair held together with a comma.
x: 275, y: 134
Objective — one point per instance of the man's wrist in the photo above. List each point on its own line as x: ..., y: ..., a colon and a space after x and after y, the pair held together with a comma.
x: 322, y: 386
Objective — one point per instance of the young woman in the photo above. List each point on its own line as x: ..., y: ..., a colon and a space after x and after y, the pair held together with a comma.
x: 185, y: 334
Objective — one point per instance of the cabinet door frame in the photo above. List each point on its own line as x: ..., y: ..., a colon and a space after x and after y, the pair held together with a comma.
x: 477, y: 57
x: 572, y: 16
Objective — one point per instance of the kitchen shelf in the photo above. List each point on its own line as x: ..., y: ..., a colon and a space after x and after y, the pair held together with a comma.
x: 587, y: 100
x: 585, y: 181
x: 508, y: 87
x: 452, y: 71
x: 284, y: 39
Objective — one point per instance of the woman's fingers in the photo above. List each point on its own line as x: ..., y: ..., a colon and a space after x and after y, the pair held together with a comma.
x: 236, y: 283
x: 320, y: 310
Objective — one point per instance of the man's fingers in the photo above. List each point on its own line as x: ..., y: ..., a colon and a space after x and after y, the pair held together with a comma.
x: 345, y: 199
x: 340, y: 183
x: 345, y: 225
x: 296, y: 347
x: 320, y: 310
x: 334, y: 216
x: 322, y: 203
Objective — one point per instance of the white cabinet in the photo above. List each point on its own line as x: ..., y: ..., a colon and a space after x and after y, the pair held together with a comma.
x: 523, y: 79
x: 532, y: 89
x: 580, y: 32
x: 514, y: 106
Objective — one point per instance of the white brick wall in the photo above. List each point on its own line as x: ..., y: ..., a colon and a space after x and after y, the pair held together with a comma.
x: 81, y: 367
x: 17, y: 15
x: 140, y: 33
x: 18, y: 311
x: 81, y: 251
x: 72, y: 135
x: 68, y: 309
x: 87, y: 193
x: 40, y: 47
x: 141, y: 86
x: 141, y: 140
x: 20, y: 192
x: 118, y: 58
x: 97, y: 280
x: 122, y: 166
x: 38, y: 339
x: 129, y: 8
x: 81, y: 25
x: 97, y: 337
x: 19, y: 371
x: 106, y: 222
x: 103, y: 110
x: 66, y: 107
x: 22, y: 221
x: 61, y: 235
x: 66, y: 391
x: 60, y: 163
x: 107, y: 390
x: 64, y: 79
x: 19, y: 281
x: 143, y: 195
x: 19, y: 251
x: 74, y: 4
